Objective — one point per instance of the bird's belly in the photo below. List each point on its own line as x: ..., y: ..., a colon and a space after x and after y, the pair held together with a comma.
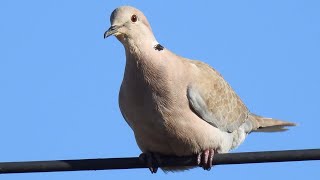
x: 180, y: 135
x: 140, y: 109
x: 170, y: 129
x: 150, y: 130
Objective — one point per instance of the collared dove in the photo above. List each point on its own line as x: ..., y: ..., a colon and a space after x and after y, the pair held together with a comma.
x: 174, y: 105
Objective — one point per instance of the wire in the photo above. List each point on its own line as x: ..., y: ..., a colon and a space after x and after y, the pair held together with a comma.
x: 134, y: 162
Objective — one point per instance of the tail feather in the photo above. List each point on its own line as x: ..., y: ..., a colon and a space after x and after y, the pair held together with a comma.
x: 263, y: 124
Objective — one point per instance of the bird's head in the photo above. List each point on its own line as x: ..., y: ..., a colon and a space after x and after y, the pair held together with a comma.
x: 128, y: 23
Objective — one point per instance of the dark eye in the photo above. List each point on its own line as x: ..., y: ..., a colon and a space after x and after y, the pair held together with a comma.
x: 134, y: 18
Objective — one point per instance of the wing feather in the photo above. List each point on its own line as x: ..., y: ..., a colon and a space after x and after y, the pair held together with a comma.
x: 213, y: 99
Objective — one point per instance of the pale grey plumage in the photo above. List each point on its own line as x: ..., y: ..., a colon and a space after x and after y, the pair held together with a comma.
x: 174, y: 105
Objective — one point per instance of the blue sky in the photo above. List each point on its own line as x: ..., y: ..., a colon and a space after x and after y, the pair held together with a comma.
x: 59, y: 79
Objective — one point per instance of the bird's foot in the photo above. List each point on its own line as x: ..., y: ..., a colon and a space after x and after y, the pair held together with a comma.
x: 205, y: 159
x: 152, y: 160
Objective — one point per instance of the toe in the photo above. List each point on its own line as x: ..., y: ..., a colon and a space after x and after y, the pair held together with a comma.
x: 209, y: 162
x: 199, y: 156
x: 205, y: 159
x: 152, y: 161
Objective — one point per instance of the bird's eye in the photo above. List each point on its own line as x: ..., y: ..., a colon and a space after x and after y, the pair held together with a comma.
x: 134, y: 18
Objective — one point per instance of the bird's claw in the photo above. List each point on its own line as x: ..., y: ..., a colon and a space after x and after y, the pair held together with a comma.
x: 152, y: 160
x: 205, y: 159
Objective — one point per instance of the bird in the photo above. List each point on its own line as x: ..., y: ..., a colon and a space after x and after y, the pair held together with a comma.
x: 177, y: 106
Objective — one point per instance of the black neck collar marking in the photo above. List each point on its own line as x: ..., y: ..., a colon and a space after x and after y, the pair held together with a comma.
x: 158, y: 47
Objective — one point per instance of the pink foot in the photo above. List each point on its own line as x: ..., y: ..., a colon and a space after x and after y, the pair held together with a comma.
x: 205, y: 159
x: 152, y: 160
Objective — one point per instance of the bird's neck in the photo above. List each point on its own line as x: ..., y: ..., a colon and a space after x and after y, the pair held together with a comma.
x: 143, y: 52
x: 144, y: 59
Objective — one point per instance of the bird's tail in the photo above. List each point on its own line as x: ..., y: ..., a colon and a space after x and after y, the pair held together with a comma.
x: 263, y: 124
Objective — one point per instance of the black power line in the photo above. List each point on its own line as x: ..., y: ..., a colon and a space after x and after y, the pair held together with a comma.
x: 133, y: 162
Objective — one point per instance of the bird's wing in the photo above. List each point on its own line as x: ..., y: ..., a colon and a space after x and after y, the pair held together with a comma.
x: 213, y: 100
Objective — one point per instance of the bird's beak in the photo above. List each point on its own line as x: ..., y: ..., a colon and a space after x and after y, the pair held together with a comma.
x: 111, y: 31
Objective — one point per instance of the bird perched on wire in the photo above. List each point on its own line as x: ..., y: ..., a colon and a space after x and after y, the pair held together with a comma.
x: 174, y: 105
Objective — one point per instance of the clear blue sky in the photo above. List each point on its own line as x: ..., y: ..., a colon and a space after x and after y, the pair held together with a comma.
x: 59, y: 79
